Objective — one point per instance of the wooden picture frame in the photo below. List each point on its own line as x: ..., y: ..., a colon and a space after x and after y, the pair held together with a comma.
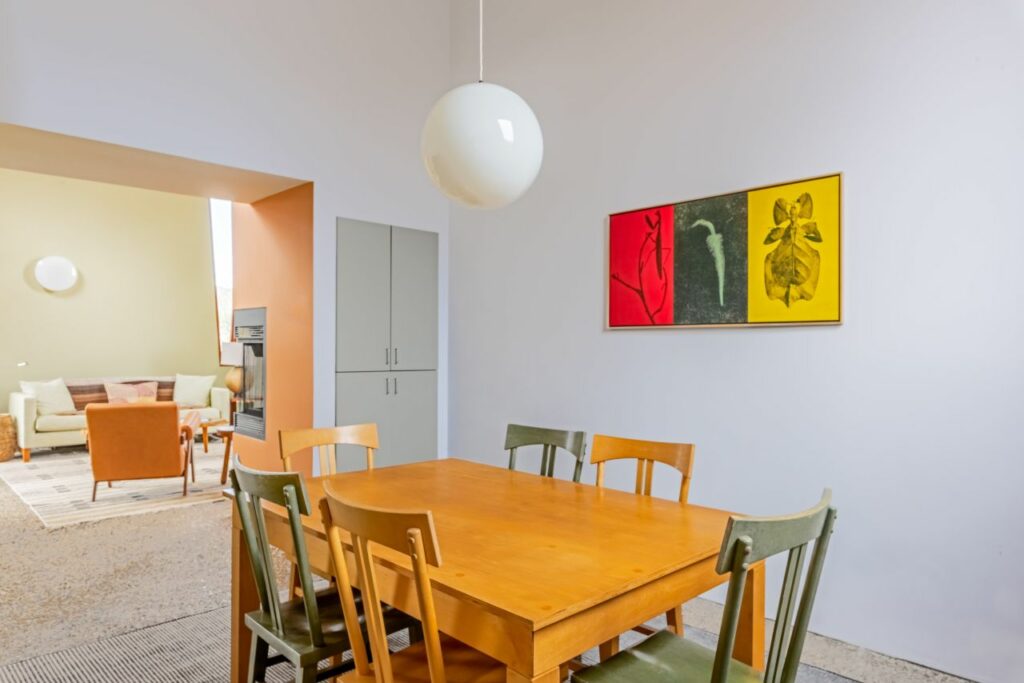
x: 766, y: 256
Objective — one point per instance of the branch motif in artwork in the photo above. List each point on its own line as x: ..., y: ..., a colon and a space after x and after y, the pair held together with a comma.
x: 651, y: 252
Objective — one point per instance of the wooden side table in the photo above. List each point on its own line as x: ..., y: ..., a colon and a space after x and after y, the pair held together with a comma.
x: 206, y: 427
x: 227, y: 432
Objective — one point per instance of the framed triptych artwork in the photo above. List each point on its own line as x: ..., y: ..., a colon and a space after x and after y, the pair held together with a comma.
x: 766, y: 256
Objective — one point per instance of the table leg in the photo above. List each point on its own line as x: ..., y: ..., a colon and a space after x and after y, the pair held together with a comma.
x: 206, y: 439
x: 749, y: 647
x: 608, y: 649
x: 227, y: 457
x: 674, y: 618
x: 549, y: 676
x: 243, y: 599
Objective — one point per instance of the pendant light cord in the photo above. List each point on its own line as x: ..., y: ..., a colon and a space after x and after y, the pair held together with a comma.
x: 481, y: 41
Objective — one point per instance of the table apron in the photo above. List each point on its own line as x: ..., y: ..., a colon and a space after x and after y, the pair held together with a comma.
x: 561, y: 641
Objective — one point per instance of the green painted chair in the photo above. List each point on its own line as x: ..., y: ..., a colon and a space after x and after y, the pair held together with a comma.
x: 575, y: 443
x: 304, y: 631
x: 667, y: 658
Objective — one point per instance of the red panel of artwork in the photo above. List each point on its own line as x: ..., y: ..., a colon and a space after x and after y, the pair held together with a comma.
x: 640, y: 285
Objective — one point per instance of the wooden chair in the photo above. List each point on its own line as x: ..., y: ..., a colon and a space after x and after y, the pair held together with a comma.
x: 325, y: 440
x: 409, y: 532
x: 575, y: 443
x: 666, y: 657
x: 646, y: 454
x: 304, y: 631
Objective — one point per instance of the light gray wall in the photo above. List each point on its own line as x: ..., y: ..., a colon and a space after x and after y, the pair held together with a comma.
x: 910, y: 410
x: 333, y: 92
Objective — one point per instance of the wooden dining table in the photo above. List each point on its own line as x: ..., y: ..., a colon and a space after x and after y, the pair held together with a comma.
x: 534, y: 570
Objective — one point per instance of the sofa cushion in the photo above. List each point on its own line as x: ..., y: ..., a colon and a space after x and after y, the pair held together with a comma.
x: 60, y: 423
x: 76, y: 421
x: 143, y: 392
x: 205, y: 414
x: 193, y: 390
x: 51, y: 397
x: 86, y: 391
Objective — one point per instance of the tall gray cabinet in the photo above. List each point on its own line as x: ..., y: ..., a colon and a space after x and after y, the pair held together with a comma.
x: 386, y: 362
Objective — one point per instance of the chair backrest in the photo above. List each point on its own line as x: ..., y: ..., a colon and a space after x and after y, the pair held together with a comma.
x: 324, y: 441
x: 752, y: 539
x: 575, y: 443
x: 646, y: 453
x: 251, y: 488
x: 134, y: 441
x: 406, y: 531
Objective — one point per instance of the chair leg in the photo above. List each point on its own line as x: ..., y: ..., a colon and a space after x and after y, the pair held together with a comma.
x: 257, y: 659
x: 206, y: 439
x: 26, y: 454
x: 110, y: 484
x: 94, y: 485
x: 305, y: 675
x: 192, y: 459
x: 294, y: 583
x: 675, y: 620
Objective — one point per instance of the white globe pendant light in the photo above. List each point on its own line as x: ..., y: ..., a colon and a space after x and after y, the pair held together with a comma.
x: 482, y: 145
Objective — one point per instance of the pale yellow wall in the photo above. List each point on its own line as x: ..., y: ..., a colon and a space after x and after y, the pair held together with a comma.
x: 144, y: 302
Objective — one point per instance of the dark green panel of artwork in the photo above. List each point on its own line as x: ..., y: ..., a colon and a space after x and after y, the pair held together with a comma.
x: 711, y: 260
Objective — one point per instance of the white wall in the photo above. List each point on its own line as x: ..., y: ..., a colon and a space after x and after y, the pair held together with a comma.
x: 910, y: 409
x: 333, y: 92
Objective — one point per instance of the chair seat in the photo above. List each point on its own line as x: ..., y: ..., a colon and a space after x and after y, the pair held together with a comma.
x: 296, y: 646
x: 664, y: 658
x: 462, y: 664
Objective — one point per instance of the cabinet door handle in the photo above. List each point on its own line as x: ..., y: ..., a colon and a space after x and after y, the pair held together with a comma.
x: 396, y: 386
x: 387, y: 389
x: 396, y: 355
x: 387, y: 356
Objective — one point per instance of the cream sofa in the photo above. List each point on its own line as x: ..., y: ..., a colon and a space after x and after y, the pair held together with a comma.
x: 52, y: 431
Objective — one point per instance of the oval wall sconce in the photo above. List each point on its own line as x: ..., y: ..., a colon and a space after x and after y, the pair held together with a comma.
x: 56, y: 273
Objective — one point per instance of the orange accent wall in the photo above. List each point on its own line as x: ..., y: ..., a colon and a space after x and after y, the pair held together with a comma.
x: 273, y: 268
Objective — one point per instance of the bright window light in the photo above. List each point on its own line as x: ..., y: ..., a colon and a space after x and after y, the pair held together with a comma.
x: 223, y: 265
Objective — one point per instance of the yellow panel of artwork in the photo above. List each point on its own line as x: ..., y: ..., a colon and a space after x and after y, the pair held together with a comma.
x: 794, y: 242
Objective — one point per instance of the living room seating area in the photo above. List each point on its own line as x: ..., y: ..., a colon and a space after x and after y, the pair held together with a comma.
x: 51, y: 414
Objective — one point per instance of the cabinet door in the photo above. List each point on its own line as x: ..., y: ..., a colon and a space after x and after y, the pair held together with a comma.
x: 413, y: 299
x: 363, y: 281
x: 364, y: 397
x: 414, y: 401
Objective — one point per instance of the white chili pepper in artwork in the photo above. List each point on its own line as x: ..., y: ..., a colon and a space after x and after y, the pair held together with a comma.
x: 714, y: 240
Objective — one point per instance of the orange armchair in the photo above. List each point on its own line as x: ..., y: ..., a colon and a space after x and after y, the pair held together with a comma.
x: 138, y: 441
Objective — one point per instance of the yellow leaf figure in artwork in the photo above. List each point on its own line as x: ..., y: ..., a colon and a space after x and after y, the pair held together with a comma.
x: 791, y: 269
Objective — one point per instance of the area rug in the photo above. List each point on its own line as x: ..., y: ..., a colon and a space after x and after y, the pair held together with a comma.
x: 57, y: 486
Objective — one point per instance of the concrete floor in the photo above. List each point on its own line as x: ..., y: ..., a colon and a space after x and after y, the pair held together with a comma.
x: 77, y: 585
x: 65, y: 587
